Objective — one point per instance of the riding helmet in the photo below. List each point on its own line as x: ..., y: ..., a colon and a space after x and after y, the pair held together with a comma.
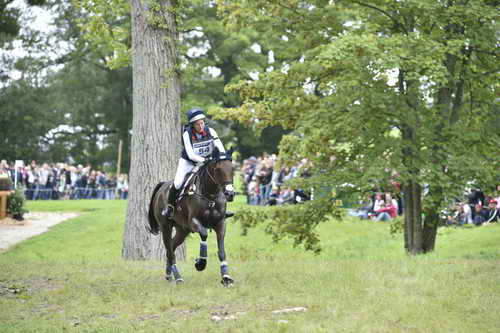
x: 195, y: 114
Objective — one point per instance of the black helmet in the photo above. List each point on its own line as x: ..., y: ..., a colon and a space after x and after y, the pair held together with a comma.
x: 195, y: 114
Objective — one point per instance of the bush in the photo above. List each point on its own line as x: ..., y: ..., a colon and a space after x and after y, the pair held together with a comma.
x: 15, y: 204
x: 296, y: 221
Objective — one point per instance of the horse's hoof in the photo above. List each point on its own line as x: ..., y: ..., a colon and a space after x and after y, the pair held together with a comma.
x: 179, y: 281
x: 227, y: 281
x: 200, y: 264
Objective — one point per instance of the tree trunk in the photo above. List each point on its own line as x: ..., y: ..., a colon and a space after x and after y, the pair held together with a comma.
x: 431, y: 222
x: 413, y: 218
x: 156, y: 122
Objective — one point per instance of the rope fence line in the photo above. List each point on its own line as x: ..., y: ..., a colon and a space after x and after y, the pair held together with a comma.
x: 75, y: 193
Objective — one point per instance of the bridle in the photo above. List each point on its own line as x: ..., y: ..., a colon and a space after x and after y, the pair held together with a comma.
x: 226, y: 188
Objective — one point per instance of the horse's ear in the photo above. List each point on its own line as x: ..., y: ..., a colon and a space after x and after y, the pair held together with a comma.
x: 229, y: 154
x: 216, y: 154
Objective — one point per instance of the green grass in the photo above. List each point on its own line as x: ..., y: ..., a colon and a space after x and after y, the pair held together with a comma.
x: 72, y: 278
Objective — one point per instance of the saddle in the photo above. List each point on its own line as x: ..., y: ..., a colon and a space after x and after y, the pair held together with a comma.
x: 188, y: 186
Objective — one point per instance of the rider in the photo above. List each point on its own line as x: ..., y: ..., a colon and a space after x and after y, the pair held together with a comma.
x: 199, y: 142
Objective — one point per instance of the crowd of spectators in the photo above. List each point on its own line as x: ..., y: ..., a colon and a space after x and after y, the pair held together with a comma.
x: 474, y: 208
x: 381, y: 206
x: 49, y: 181
x: 266, y: 185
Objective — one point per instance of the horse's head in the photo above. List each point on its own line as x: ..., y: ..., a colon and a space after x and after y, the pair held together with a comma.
x: 221, y: 168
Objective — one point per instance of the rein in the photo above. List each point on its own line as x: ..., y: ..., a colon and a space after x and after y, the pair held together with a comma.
x: 203, y: 186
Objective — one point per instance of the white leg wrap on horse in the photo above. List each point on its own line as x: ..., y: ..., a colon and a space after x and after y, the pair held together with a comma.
x: 177, y: 274
x: 203, y: 250
x: 224, y: 269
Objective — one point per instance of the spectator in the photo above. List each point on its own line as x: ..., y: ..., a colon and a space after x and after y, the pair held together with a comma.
x: 31, y: 182
x: 5, y: 180
x: 481, y: 214
x: 465, y: 216
x: 264, y: 178
x: 253, y: 192
x: 286, y: 196
x: 378, y: 203
x: 92, y: 185
x: 387, y: 212
x: 493, y: 212
x: 122, y: 187
x: 101, y: 182
x: 363, y: 212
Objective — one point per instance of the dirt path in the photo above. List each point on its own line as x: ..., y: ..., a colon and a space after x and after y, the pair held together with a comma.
x: 13, y: 232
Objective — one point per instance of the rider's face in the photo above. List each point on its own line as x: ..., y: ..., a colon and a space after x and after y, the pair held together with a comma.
x: 199, y: 125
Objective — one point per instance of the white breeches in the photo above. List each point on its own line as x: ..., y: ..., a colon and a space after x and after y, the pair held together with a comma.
x: 183, y: 168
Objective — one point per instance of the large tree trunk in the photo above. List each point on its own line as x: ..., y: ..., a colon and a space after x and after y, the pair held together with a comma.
x: 156, y: 122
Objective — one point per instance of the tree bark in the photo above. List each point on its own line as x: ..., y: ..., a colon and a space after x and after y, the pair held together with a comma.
x: 156, y: 122
x: 413, y: 218
x: 431, y: 221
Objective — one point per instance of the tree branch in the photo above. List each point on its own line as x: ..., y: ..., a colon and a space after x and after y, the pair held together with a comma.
x: 392, y: 18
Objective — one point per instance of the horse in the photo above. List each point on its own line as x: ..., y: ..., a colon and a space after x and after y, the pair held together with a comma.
x: 200, y: 206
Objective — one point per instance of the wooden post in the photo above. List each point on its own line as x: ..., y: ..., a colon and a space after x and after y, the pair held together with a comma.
x: 119, y: 162
x: 3, y: 203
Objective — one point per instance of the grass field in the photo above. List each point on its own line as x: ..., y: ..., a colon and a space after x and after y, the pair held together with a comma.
x: 72, y: 278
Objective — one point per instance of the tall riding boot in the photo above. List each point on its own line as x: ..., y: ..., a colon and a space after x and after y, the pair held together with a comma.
x: 172, y: 196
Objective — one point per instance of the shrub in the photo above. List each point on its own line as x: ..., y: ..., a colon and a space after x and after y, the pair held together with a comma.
x: 15, y: 204
x: 296, y: 221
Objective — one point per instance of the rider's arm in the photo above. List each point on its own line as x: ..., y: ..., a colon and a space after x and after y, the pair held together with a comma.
x: 189, y: 149
x: 217, y: 141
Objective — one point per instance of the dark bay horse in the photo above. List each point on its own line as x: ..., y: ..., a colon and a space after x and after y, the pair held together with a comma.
x: 200, y: 207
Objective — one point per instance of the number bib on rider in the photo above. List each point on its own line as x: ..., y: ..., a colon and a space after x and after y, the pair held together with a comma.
x: 203, y: 148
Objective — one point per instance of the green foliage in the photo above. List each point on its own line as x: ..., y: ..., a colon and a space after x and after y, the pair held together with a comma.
x: 378, y: 91
x: 297, y: 221
x: 16, y: 204
x: 77, y: 113
x: 206, y: 48
x: 107, y: 27
x: 397, y: 226
x: 9, y: 19
x: 21, y: 104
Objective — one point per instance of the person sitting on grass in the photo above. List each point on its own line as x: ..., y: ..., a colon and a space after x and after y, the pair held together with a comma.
x: 387, y: 212
x: 493, y: 213
x: 481, y: 214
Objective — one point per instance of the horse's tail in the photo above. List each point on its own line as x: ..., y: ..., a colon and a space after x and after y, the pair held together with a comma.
x: 154, y: 227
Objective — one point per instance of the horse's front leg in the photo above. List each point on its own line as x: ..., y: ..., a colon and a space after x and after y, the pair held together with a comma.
x: 201, y: 261
x: 220, y: 230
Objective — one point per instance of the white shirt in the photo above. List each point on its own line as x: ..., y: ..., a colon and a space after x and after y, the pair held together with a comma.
x: 189, y: 147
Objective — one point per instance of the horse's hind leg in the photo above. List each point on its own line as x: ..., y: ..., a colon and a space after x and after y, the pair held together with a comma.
x: 227, y: 280
x: 171, y: 270
x: 180, y: 236
x: 166, y: 234
x: 201, y: 261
